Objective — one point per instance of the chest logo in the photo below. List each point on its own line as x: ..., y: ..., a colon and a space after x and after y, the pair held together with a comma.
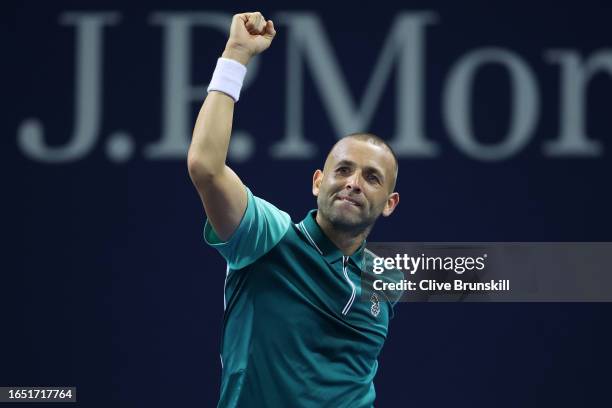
x: 375, y: 308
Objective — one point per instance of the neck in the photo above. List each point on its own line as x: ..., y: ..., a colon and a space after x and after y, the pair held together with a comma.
x: 346, y: 241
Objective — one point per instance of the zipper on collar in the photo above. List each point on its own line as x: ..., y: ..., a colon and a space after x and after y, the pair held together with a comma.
x: 348, y: 305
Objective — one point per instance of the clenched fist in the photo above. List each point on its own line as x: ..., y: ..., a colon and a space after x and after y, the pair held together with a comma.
x: 250, y: 34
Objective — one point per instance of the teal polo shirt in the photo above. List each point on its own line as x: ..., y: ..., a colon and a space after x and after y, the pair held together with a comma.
x: 295, y: 332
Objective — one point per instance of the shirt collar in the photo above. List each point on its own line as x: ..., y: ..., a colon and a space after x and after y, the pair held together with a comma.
x: 317, y: 238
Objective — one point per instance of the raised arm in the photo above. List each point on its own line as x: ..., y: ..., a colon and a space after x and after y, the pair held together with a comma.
x: 222, y: 193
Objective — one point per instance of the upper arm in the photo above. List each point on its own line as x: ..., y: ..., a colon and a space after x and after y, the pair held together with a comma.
x: 225, y: 201
x: 262, y: 227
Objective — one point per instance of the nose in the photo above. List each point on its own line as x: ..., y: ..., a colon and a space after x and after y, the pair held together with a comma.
x: 353, y: 183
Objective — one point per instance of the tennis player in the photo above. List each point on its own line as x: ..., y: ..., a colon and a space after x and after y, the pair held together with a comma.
x: 295, y: 333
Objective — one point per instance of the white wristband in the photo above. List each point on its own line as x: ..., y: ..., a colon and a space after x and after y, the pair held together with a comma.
x: 228, y: 77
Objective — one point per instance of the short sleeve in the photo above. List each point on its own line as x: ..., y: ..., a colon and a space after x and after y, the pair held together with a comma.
x: 261, y: 228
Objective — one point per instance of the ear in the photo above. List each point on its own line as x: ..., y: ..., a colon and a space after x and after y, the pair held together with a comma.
x: 317, y: 179
x: 392, y: 202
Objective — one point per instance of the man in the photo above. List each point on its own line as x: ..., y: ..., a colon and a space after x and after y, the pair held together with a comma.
x: 294, y: 334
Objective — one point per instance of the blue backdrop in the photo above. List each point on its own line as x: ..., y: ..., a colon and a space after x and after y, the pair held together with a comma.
x: 500, y: 112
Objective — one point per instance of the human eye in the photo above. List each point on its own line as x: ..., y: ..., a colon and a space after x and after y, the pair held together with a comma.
x: 343, y: 170
x: 373, y: 178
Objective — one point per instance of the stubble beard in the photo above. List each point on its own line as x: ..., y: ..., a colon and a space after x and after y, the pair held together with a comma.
x: 345, y: 223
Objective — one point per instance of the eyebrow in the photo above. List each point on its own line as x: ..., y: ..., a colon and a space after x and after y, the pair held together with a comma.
x: 367, y: 168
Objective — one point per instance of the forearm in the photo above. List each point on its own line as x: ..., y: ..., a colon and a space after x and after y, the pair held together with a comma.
x: 250, y: 34
x: 211, y: 134
x: 212, y: 131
